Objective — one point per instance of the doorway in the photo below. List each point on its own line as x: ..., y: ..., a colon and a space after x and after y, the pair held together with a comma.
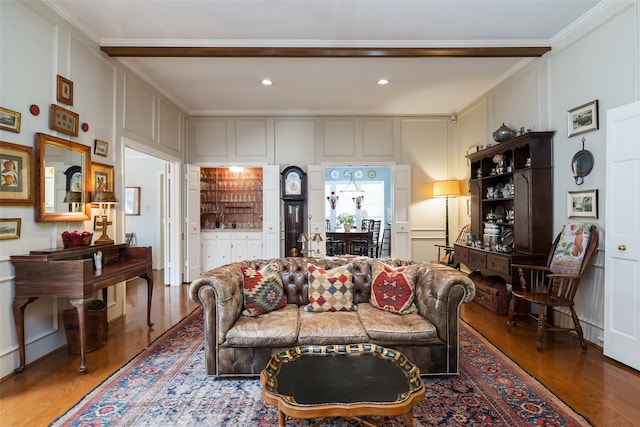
x: 157, y: 221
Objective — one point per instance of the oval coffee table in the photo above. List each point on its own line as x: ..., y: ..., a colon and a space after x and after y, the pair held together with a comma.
x: 341, y: 381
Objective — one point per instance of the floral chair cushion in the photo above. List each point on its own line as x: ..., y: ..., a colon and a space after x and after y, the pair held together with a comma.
x: 569, y: 253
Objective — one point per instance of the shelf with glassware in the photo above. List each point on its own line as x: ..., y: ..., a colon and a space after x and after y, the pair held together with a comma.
x: 506, y: 180
x: 230, y: 199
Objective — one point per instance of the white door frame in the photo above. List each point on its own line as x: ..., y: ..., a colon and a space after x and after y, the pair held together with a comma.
x: 172, y: 210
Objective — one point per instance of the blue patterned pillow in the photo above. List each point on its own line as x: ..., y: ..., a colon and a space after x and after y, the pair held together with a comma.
x: 263, y: 289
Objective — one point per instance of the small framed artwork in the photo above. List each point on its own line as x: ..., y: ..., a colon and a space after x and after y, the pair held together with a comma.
x: 132, y: 201
x: 583, y: 119
x: 101, y: 148
x: 16, y: 174
x: 63, y: 120
x: 10, y: 120
x: 64, y: 92
x: 582, y: 204
x: 102, y: 178
x: 10, y: 228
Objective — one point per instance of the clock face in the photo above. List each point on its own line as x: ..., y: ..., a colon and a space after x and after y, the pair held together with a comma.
x: 293, y: 184
x: 75, y: 183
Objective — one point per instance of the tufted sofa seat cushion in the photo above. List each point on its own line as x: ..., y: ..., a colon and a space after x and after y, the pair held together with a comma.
x: 282, y: 326
x: 339, y: 327
x: 381, y: 325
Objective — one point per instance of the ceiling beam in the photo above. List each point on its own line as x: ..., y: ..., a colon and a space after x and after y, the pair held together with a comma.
x: 322, y: 52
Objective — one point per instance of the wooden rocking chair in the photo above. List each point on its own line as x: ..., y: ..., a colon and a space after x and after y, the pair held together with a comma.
x: 555, y: 285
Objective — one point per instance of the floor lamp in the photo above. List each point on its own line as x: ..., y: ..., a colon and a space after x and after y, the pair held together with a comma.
x: 446, y: 189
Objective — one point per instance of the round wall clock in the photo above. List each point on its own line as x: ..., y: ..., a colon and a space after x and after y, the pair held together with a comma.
x: 293, y: 183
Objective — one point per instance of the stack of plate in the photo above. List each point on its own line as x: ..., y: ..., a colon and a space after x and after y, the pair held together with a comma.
x: 507, y: 237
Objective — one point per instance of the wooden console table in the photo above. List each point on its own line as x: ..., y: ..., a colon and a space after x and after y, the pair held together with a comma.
x: 71, y: 273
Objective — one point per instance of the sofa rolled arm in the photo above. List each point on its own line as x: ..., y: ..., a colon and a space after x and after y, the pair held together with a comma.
x: 439, y: 293
x: 219, y: 291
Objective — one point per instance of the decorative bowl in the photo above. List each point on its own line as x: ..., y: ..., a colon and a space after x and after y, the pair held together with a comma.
x: 72, y: 239
x: 503, y: 133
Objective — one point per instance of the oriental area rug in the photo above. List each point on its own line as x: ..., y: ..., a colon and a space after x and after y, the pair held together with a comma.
x: 166, y: 385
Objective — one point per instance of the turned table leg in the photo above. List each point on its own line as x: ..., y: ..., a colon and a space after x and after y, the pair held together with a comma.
x: 149, y: 279
x: 19, y: 304
x: 79, y: 304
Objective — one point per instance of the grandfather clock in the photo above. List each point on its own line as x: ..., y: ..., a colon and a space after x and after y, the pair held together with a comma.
x: 294, y: 192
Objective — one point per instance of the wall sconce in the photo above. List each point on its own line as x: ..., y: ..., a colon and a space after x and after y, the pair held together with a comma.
x: 105, y: 199
x: 446, y: 189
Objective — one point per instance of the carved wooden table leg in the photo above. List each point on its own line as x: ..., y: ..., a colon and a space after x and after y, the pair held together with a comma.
x: 149, y: 279
x: 19, y: 305
x: 79, y: 304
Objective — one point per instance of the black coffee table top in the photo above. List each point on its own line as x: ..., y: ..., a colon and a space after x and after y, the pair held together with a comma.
x: 341, y: 374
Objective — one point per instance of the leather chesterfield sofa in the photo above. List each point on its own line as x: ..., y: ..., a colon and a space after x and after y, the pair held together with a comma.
x: 238, y: 345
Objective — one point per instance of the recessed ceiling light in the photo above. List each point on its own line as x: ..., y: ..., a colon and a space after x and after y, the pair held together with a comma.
x: 383, y: 82
x: 266, y: 82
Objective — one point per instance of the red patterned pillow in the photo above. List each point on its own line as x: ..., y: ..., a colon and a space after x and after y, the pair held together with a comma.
x: 330, y: 290
x: 393, y: 289
x: 263, y: 290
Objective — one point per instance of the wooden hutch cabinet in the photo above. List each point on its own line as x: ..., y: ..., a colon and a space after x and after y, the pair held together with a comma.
x: 511, y: 205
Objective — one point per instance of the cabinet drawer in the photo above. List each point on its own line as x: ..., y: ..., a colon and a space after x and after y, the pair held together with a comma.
x: 461, y: 254
x: 477, y: 259
x: 498, y: 264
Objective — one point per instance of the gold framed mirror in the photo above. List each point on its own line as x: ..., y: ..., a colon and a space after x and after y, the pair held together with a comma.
x: 63, y: 180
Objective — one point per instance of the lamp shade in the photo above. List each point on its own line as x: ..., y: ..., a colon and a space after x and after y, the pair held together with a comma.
x: 303, y: 238
x: 105, y: 197
x: 449, y: 188
x: 72, y: 197
x: 317, y: 238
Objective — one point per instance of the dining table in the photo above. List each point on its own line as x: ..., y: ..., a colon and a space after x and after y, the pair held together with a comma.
x: 348, y: 237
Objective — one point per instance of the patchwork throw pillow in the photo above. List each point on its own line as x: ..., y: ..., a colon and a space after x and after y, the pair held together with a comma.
x: 569, y: 253
x: 330, y: 290
x: 393, y: 289
x: 263, y: 290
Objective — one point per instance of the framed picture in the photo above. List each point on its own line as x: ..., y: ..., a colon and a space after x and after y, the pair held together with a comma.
x: 582, y: 204
x: 16, y: 174
x: 10, y: 228
x: 63, y: 120
x: 132, y: 201
x: 10, y: 120
x: 64, y: 92
x: 101, y: 148
x: 583, y: 119
x: 102, y: 178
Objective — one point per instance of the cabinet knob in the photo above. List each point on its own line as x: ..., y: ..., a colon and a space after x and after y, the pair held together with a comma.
x: 622, y: 248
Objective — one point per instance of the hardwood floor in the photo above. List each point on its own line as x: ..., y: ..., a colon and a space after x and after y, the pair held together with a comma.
x: 604, y: 391
x: 47, y: 388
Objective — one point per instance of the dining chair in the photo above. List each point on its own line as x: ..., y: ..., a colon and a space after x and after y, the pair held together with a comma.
x: 555, y: 284
x: 333, y: 246
x: 368, y: 247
